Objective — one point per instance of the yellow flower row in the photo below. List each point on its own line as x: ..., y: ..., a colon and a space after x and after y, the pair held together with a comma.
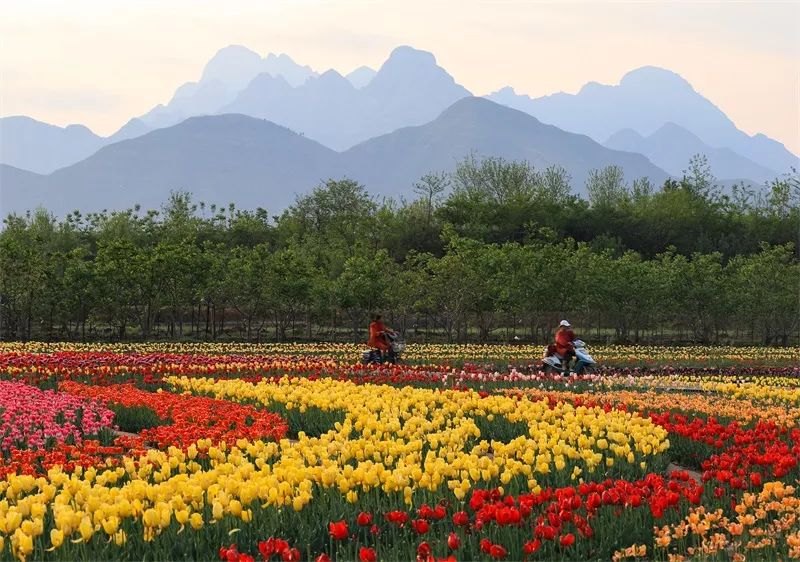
x: 765, y: 390
x: 397, y: 441
x: 391, y: 423
x: 435, y: 352
x: 742, y: 410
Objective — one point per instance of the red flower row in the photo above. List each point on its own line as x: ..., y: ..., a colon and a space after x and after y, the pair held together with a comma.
x: 745, y: 454
x: 558, y: 516
x: 68, y: 457
x: 192, y: 417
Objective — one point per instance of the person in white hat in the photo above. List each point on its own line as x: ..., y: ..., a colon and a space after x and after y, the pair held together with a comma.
x: 564, y: 346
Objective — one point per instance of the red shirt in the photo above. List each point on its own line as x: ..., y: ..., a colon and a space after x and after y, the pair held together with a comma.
x: 376, y: 340
x: 564, y: 337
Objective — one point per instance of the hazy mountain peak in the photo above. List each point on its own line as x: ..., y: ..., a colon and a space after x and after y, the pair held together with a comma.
x: 283, y: 65
x: 361, y: 76
x: 265, y: 79
x: 624, y: 139
x: 29, y: 144
x: 654, y: 77
x: 675, y: 131
x: 331, y: 75
x: 77, y: 128
x: 283, y: 57
x: 233, y: 65
x: 413, y: 71
x: 505, y: 91
x: 405, y: 54
x: 330, y: 82
x: 591, y: 87
x: 471, y: 104
x: 24, y: 120
x: 671, y: 147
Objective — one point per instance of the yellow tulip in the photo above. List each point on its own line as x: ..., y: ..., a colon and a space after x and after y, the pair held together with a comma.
x: 56, y: 537
x: 196, y: 520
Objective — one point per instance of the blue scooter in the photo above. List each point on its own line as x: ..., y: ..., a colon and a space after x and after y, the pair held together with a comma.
x: 584, y: 362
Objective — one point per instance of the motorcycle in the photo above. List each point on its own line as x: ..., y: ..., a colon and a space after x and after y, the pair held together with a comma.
x: 396, y: 348
x: 584, y: 362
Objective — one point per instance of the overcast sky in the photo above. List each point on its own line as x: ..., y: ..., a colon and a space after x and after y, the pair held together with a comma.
x: 100, y: 62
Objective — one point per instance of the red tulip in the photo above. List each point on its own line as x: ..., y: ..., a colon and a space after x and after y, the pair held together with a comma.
x: 548, y: 532
x: 397, y: 517
x: 486, y: 545
x: 567, y: 540
x: 461, y: 519
x: 281, y: 546
x: 338, y: 530
x: 367, y: 554
x: 364, y: 519
x: 497, y: 552
x: 323, y: 558
x: 420, y: 526
x: 531, y: 546
x: 439, y: 513
x: 290, y: 555
x: 453, y: 541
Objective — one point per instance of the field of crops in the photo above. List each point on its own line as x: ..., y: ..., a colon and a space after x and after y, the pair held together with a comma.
x: 291, y: 452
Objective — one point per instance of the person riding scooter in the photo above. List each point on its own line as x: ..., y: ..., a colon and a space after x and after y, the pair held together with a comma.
x: 564, y: 346
x: 378, y: 335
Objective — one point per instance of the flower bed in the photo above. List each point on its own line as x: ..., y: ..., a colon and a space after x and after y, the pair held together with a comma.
x: 191, y: 418
x: 425, y: 462
x: 35, y: 419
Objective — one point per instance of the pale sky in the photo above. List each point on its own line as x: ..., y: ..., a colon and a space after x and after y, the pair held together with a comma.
x: 100, y: 62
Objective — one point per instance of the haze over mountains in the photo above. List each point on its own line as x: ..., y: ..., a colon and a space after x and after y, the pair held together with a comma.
x: 256, y: 130
x: 671, y: 146
x: 254, y: 162
x: 643, y: 101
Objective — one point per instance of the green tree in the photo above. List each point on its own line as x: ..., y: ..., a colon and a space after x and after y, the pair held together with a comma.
x: 607, y: 187
x: 767, y: 292
x: 363, y: 286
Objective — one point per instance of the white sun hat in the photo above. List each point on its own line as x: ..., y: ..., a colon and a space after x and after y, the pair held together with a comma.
x: 564, y: 323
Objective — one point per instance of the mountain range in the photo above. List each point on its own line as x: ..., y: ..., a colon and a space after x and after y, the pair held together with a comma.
x: 386, y: 128
x: 257, y: 163
x: 671, y: 147
x: 646, y: 99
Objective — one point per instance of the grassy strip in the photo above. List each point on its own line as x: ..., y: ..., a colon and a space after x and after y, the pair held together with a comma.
x: 134, y: 419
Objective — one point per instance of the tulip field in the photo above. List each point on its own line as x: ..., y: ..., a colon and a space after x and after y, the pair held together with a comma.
x: 239, y: 452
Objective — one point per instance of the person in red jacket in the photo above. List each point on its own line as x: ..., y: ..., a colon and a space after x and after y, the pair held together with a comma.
x: 377, y: 337
x: 564, y: 338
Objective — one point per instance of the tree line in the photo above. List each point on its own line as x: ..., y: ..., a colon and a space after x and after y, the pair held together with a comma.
x: 495, y: 250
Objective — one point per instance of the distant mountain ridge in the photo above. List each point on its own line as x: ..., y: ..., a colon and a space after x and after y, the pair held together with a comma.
x: 55, y: 146
x: 256, y: 163
x: 671, y: 147
x: 411, y: 89
x: 646, y: 99
x: 480, y: 126
x: 408, y: 89
x: 224, y: 76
